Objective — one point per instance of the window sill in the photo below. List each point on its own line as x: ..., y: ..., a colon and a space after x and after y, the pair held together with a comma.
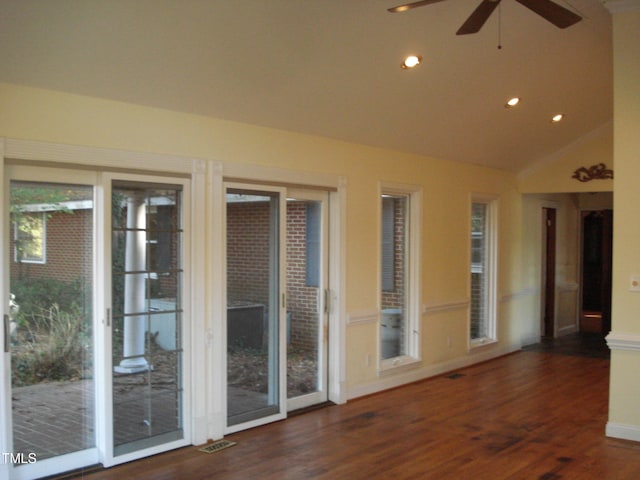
x: 31, y: 262
x: 396, y: 365
x: 482, y: 342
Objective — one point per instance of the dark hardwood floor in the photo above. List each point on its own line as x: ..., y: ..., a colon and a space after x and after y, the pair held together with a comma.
x: 530, y: 415
x: 583, y: 344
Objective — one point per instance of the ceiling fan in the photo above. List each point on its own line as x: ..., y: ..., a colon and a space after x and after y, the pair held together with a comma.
x: 552, y: 12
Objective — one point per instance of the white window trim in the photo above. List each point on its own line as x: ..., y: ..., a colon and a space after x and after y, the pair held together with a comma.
x: 412, y: 358
x: 491, y: 201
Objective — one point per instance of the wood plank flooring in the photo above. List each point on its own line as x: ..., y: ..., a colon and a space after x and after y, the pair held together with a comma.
x: 529, y: 415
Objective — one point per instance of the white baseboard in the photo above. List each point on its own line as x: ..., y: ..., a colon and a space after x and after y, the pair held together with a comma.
x: 622, y: 431
x: 414, y: 375
x: 623, y: 341
x: 531, y: 339
x: 199, y: 432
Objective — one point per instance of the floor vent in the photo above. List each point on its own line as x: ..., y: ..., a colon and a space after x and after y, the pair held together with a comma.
x: 454, y: 376
x: 217, y: 446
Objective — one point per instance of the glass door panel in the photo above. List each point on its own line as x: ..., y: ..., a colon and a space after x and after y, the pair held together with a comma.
x: 307, y: 284
x: 51, y: 278
x: 147, y: 346
x: 254, y: 347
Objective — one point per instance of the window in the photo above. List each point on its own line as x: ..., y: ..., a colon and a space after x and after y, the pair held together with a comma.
x: 483, y: 260
x: 388, y: 242
x: 29, y: 237
x: 399, y: 274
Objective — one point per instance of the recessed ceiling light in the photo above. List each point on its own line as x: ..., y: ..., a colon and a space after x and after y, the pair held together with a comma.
x: 411, y: 61
x: 556, y: 118
x: 512, y: 102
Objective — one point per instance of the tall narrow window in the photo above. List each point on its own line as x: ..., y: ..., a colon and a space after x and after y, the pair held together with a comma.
x: 483, y: 258
x: 399, y: 276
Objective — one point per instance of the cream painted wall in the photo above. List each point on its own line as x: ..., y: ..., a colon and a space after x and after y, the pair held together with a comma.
x: 595, y: 201
x: 554, y: 174
x: 627, y: 152
x: 624, y: 398
x: 35, y: 114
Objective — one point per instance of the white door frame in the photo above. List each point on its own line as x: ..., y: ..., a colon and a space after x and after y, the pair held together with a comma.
x: 102, y: 159
x: 258, y: 175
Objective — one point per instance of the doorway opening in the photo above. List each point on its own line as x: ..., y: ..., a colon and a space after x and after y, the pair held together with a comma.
x: 596, y: 260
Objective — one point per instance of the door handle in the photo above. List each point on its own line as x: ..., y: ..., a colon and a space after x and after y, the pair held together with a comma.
x: 7, y: 333
x: 328, y: 306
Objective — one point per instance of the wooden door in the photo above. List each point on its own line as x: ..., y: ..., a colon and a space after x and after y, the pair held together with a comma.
x: 549, y: 216
x: 597, y: 236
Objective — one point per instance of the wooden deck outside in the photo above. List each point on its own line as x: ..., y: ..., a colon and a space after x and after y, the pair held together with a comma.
x: 529, y: 415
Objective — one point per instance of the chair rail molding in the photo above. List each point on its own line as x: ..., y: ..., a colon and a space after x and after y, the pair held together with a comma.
x: 362, y: 317
x: 454, y: 304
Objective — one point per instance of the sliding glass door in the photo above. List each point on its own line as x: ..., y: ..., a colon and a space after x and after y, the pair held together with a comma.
x: 147, y: 311
x: 50, y: 325
x: 95, y: 351
x: 277, y: 302
x: 255, y: 305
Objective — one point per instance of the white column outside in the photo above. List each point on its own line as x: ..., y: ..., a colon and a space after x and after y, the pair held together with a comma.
x: 134, y: 288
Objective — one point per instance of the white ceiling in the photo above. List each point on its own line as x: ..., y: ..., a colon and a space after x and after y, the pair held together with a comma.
x: 331, y: 68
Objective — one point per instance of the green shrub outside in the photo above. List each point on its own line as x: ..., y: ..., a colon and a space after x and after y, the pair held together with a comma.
x: 54, y: 332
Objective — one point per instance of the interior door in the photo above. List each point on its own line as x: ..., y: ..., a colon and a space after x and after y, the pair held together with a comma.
x: 51, y: 324
x: 307, y: 297
x: 549, y: 279
x: 255, y: 291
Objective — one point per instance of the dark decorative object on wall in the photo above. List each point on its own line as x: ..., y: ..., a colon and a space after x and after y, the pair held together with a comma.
x: 599, y: 171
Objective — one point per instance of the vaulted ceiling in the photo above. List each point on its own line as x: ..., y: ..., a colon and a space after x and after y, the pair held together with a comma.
x: 331, y: 68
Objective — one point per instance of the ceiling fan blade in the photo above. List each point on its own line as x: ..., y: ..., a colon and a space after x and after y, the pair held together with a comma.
x: 478, y: 18
x: 409, y: 6
x: 554, y: 13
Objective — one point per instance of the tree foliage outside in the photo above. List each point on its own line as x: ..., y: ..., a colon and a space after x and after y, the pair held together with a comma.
x: 53, y: 328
